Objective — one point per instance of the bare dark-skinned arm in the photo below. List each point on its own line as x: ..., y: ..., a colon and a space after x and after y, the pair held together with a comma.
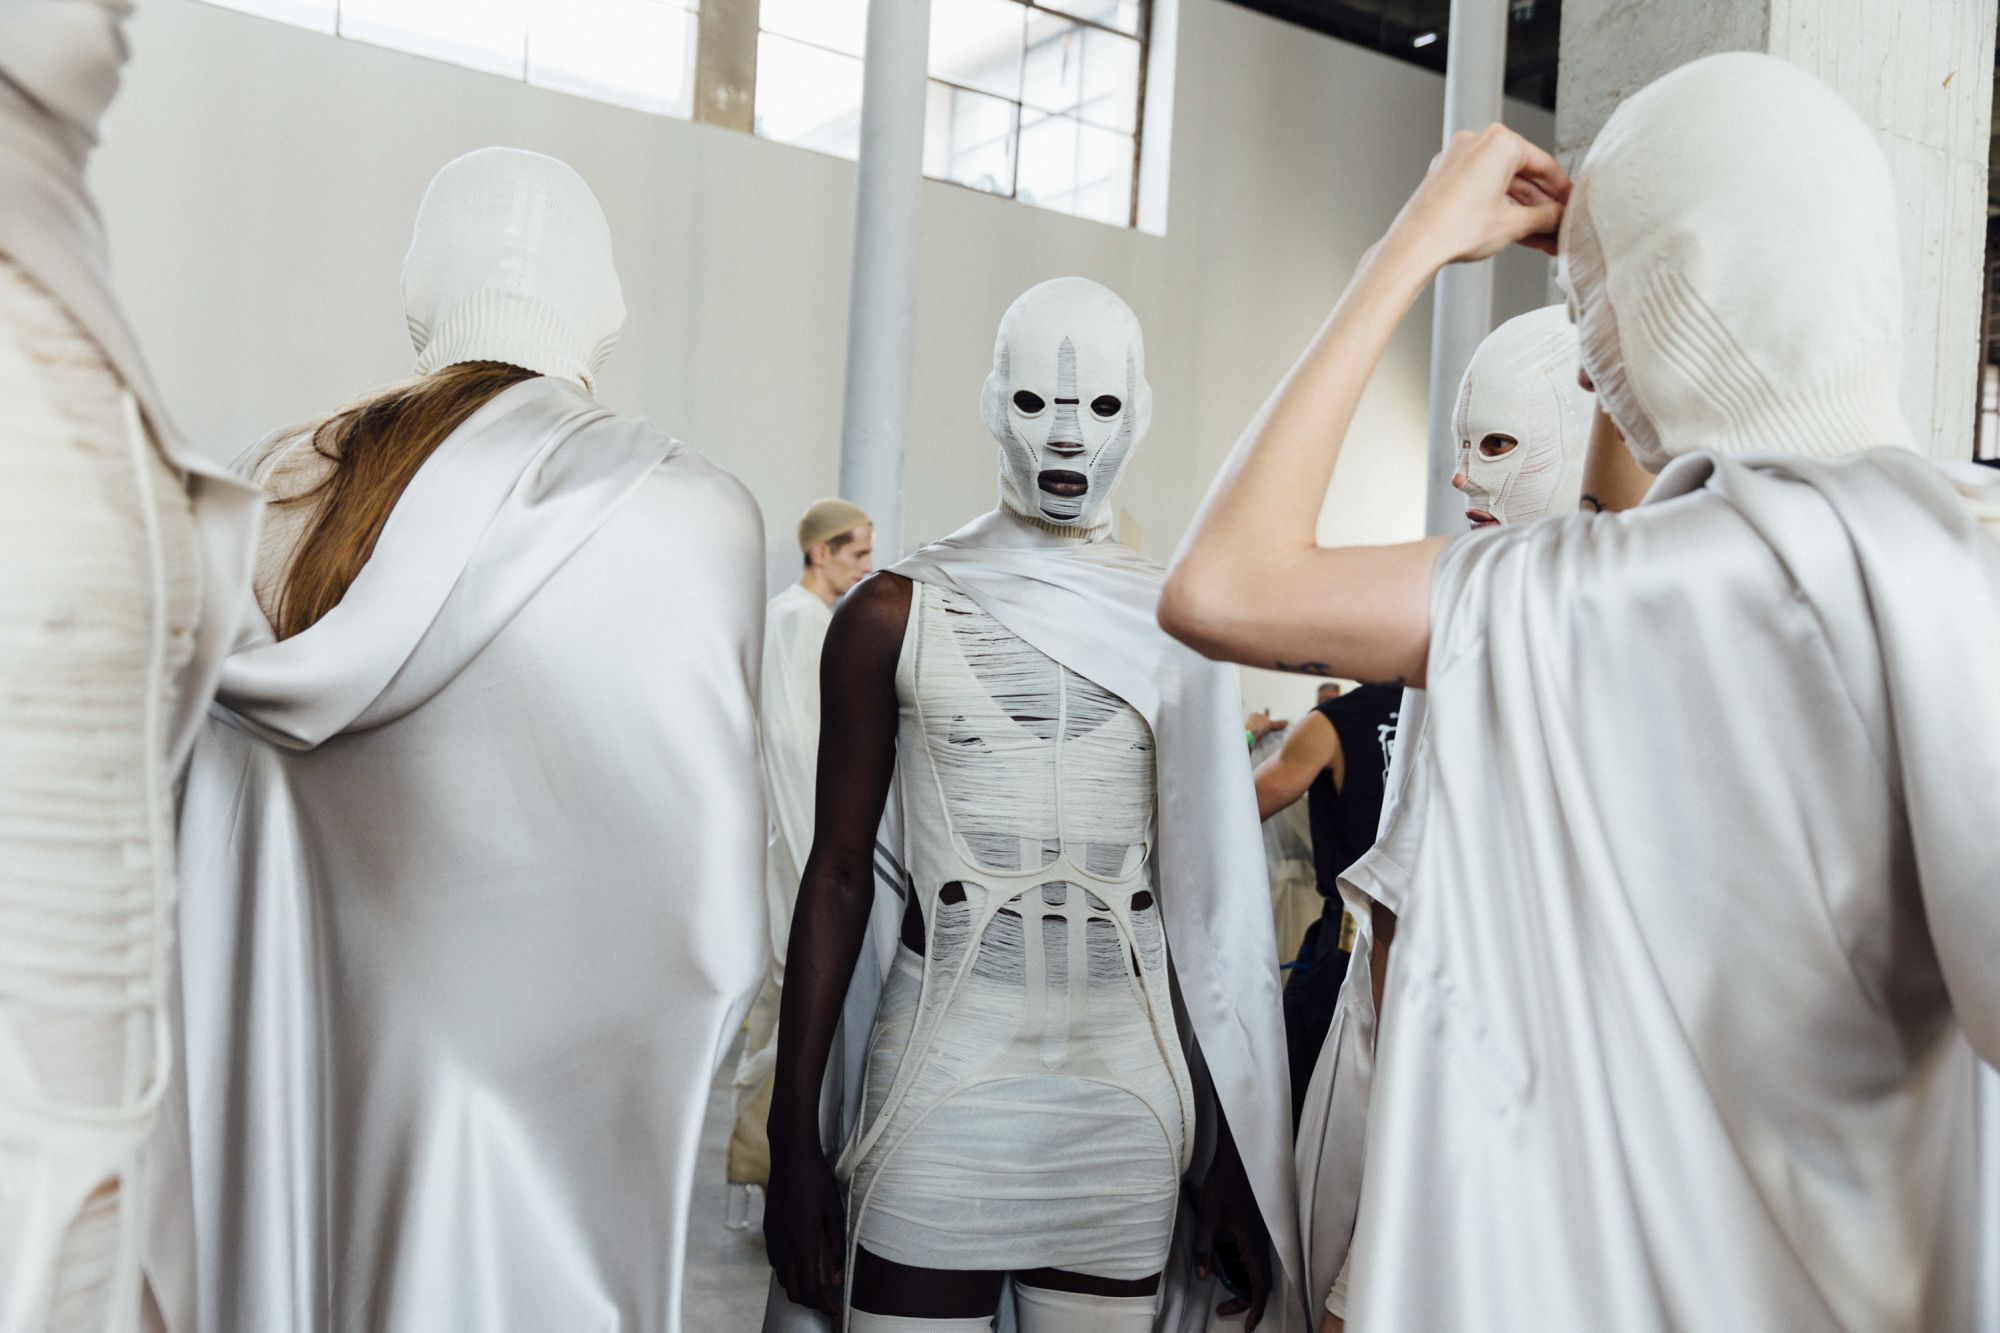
x: 804, y: 1226
x: 1226, y: 1208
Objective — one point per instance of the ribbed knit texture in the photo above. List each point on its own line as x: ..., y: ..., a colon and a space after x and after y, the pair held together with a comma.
x: 1731, y: 250
x: 510, y: 261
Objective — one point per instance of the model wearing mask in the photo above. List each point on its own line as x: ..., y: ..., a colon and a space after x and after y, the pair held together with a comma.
x: 125, y: 559
x: 1524, y: 424
x: 837, y: 546
x: 1071, y: 846
x: 1699, y: 941
x: 473, y: 842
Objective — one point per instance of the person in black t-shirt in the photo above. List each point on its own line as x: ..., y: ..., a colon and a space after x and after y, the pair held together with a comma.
x: 1338, y: 759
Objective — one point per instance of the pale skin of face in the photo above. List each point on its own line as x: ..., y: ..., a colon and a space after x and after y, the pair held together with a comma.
x: 829, y: 573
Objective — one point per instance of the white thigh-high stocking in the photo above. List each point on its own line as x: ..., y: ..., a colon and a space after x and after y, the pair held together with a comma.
x: 1040, y: 1310
x: 860, y: 1321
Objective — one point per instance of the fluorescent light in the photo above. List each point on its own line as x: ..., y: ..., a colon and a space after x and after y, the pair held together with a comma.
x: 1423, y: 39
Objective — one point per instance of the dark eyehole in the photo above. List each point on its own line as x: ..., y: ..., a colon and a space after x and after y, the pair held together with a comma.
x: 1105, y: 405
x: 1030, y: 403
x: 1497, y: 446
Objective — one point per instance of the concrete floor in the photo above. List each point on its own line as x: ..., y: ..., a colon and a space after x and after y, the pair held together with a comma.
x: 726, y: 1273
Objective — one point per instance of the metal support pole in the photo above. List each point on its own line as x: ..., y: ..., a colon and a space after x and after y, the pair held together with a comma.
x: 881, y: 318
x: 1475, y: 71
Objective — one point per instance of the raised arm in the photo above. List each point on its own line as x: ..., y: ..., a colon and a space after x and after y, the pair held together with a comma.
x: 1251, y: 583
x: 1313, y: 746
x: 804, y: 1217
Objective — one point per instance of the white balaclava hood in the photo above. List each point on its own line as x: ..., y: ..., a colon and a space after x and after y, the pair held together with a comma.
x: 1730, y: 250
x: 1521, y: 386
x: 1067, y: 400
x: 510, y: 261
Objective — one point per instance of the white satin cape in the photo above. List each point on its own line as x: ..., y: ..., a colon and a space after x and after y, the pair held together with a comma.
x: 472, y: 899
x: 1691, y: 941
x: 1090, y: 605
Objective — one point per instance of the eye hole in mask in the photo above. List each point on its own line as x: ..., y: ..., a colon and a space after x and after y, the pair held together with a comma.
x: 1105, y: 406
x: 1498, y: 446
x: 1028, y: 404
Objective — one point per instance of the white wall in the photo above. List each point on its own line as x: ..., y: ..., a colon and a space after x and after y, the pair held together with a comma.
x: 258, y: 182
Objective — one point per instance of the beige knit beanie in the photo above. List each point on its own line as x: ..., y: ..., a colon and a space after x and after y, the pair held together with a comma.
x: 510, y: 261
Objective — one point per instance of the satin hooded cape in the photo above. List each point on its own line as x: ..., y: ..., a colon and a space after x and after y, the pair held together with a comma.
x: 1676, y: 1035
x: 473, y: 901
x: 1090, y: 605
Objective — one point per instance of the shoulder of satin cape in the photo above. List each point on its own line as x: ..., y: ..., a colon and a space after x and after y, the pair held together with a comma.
x: 1888, y: 550
x: 1929, y: 571
x: 1705, y: 534
x: 509, y: 497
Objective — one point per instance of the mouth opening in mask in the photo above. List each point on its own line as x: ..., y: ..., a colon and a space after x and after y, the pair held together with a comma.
x: 1060, y: 481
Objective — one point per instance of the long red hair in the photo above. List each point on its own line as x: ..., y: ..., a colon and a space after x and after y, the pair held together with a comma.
x: 376, y: 447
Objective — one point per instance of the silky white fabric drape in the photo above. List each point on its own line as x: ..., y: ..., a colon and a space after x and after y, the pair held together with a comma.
x: 1676, y: 1034
x: 474, y: 898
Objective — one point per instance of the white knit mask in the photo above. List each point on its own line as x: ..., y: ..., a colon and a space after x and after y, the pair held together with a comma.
x: 1523, y: 421
x: 1730, y: 251
x: 1067, y: 400
x: 510, y: 261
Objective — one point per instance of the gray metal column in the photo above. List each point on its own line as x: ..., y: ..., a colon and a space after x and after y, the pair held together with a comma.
x: 881, y: 310
x: 1462, y: 307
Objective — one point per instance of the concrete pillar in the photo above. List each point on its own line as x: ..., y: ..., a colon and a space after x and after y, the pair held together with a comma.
x: 1919, y: 71
x: 881, y: 310
x: 725, y: 65
x: 1475, y: 72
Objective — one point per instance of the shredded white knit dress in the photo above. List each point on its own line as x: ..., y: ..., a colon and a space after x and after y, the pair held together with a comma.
x: 98, y: 601
x: 1027, y: 1101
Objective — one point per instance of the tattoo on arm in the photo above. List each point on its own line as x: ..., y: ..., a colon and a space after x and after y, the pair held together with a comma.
x: 1322, y: 669
x: 1595, y: 505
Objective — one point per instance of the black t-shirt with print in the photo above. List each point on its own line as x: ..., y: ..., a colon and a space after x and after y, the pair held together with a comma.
x: 1344, y: 822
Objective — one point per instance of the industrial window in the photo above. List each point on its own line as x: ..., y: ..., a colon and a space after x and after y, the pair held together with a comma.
x: 1037, y: 100
x: 635, y: 53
